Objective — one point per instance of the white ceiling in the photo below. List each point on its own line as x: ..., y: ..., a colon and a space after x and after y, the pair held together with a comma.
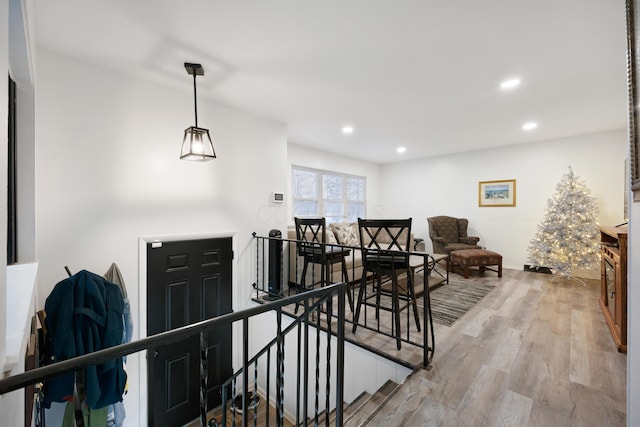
x: 423, y: 74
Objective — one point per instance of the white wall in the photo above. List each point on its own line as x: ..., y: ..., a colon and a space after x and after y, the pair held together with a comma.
x: 12, y: 400
x: 448, y: 185
x: 108, y: 173
x: 304, y: 156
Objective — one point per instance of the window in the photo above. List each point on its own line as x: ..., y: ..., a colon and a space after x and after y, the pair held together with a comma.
x: 335, y: 196
x: 12, y: 226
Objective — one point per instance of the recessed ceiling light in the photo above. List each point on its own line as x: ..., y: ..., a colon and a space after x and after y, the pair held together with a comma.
x: 348, y: 129
x: 510, y: 84
x: 529, y: 126
x: 401, y: 150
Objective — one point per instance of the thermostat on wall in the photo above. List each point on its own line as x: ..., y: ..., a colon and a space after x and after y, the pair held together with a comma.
x: 277, y: 197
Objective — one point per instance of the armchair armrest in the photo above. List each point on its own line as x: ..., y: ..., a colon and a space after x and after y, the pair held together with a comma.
x: 469, y: 240
x: 438, y: 239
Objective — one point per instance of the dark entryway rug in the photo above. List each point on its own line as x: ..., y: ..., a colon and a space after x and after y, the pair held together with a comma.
x: 450, y: 302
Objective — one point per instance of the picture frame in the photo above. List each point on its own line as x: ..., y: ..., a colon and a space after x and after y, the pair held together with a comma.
x: 633, y: 89
x: 497, y: 193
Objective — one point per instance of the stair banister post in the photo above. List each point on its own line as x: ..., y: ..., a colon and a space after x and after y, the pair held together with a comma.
x: 340, y: 357
x: 245, y: 371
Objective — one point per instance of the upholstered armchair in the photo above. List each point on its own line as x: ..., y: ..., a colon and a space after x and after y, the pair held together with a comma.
x: 450, y: 234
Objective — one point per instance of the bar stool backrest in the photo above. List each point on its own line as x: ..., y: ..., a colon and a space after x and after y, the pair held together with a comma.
x: 385, y: 241
x: 312, y: 233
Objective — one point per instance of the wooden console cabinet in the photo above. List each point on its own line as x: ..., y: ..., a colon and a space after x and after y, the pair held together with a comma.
x: 613, y: 293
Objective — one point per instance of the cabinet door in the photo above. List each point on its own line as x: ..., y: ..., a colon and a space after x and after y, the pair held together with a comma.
x: 618, y: 298
x: 610, y: 287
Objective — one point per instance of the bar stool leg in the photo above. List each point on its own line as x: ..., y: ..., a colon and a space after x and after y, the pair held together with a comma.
x: 345, y: 277
x: 396, y: 307
x: 363, y: 283
x: 302, y: 283
x: 412, y: 299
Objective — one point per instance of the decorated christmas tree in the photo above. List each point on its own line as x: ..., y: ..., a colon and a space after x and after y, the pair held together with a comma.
x: 568, y: 236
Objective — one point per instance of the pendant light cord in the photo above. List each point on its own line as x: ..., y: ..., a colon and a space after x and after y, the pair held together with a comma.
x: 195, y: 99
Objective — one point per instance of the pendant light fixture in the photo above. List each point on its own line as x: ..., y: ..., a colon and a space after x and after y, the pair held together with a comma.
x: 197, y: 144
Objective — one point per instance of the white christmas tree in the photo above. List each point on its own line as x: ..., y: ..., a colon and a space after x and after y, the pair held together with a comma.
x: 568, y: 236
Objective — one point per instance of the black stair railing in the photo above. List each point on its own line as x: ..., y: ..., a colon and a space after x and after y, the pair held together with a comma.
x: 312, y: 301
x: 316, y: 305
x: 279, y: 274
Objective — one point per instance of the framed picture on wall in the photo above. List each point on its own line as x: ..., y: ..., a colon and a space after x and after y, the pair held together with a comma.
x: 497, y: 193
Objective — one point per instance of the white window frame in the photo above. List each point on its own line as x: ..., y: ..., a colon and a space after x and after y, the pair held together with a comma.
x: 320, y: 173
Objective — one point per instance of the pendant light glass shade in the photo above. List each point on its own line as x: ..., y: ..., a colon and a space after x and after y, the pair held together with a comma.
x: 196, y: 144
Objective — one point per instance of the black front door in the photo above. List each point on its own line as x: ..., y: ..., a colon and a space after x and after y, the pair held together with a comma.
x: 187, y: 281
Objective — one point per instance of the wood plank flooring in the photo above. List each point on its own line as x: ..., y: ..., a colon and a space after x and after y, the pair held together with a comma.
x: 531, y: 353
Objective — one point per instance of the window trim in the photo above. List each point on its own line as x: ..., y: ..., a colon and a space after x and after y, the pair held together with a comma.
x: 320, y: 173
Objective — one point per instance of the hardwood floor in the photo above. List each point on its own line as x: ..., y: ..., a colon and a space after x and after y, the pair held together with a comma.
x: 532, y: 353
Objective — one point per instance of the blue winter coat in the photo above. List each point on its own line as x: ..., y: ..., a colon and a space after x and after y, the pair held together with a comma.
x: 83, y: 315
